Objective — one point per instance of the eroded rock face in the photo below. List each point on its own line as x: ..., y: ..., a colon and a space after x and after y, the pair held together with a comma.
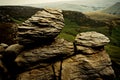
x: 45, y: 55
x: 88, y: 67
x: 45, y: 73
x: 42, y: 27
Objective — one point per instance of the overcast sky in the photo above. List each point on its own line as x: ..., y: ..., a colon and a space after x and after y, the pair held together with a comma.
x: 18, y: 2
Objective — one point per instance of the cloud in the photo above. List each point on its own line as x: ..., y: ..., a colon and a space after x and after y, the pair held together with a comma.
x: 19, y: 2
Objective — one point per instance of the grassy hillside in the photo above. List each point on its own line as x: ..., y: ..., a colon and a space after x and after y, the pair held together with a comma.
x: 81, y: 19
x: 98, y: 15
x: 17, y: 12
x: 72, y: 28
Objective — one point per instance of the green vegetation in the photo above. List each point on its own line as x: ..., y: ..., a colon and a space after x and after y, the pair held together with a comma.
x: 18, y: 21
x: 115, y: 37
x: 114, y: 47
x: 71, y: 29
x: 114, y: 52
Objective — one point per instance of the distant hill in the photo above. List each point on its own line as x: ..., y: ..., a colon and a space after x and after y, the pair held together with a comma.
x: 78, y: 5
x: 115, y: 9
x: 68, y: 6
x: 18, y: 13
x: 101, y: 16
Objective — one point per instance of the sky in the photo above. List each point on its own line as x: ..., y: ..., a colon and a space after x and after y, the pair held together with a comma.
x: 19, y: 2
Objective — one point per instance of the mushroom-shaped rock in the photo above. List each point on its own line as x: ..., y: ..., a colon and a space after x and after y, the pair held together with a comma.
x: 42, y: 26
x: 91, y: 39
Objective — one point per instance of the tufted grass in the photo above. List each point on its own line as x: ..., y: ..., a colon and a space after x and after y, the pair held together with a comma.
x: 114, y: 52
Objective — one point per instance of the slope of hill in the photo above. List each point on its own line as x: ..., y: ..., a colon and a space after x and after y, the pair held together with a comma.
x: 101, y: 16
x: 17, y: 12
x: 115, y: 9
x: 68, y: 6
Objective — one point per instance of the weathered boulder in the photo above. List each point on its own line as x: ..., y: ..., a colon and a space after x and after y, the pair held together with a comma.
x: 45, y: 55
x: 4, y: 45
x: 91, y: 39
x: 42, y: 27
x: 77, y: 67
x: 88, y: 67
x: 14, y: 49
x: 10, y: 53
x: 62, y: 60
x: 91, y: 61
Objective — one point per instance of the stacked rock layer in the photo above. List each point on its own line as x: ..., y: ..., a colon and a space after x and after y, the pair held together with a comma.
x: 44, y: 26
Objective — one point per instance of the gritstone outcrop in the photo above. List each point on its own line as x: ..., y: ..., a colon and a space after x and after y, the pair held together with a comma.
x: 39, y: 55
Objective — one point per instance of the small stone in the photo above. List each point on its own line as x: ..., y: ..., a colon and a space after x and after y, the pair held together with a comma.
x: 4, y: 45
x: 14, y: 49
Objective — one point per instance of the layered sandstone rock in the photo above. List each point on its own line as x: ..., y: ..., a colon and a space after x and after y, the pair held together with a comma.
x: 39, y: 55
x: 45, y: 55
x: 91, y: 39
x: 91, y: 61
x: 74, y: 62
x: 42, y: 27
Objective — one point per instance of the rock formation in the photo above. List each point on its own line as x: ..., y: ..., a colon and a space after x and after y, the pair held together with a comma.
x: 39, y: 55
x: 42, y: 27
